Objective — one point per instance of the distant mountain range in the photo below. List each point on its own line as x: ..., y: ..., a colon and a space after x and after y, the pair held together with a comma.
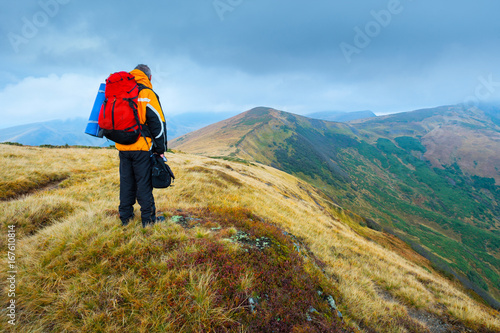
x: 71, y: 131
x: 429, y: 176
x: 55, y: 132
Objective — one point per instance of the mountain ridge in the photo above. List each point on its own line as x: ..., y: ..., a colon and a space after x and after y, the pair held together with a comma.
x: 379, y: 168
x: 70, y: 132
x: 472, y: 133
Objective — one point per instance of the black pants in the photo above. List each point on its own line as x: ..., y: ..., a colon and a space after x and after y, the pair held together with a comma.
x: 135, y: 183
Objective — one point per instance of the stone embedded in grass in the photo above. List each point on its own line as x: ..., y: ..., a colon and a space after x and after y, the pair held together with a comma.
x: 259, y: 242
x: 177, y: 218
x: 296, y: 247
x: 253, y: 304
x: 313, y: 311
x: 185, y: 221
x: 331, y: 302
x: 262, y: 242
x: 339, y: 314
x: 295, y: 241
x: 241, y: 237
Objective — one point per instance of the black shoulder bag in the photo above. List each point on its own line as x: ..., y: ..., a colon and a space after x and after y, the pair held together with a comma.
x: 161, y: 174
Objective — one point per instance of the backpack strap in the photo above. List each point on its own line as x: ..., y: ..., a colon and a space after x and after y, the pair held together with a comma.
x: 142, y: 87
x: 135, y: 107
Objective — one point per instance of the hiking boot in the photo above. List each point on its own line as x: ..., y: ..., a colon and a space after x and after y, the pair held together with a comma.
x: 146, y: 223
x: 127, y: 221
x: 153, y: 221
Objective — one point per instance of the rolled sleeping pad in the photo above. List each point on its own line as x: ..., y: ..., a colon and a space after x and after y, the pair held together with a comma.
x: 93, y: 126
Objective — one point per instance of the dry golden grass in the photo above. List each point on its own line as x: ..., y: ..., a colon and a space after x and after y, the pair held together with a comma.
x: 61, y: 270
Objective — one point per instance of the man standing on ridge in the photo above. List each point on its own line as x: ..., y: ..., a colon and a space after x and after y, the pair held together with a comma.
x: 135, y: 159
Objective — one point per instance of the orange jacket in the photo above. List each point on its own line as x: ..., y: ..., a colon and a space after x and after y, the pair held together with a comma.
x: 151, y: 115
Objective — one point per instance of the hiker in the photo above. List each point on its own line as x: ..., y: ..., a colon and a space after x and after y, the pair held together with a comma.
x: 135, y: 158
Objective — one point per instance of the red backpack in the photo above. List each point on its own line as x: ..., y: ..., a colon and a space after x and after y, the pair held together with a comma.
x: 119, y: 117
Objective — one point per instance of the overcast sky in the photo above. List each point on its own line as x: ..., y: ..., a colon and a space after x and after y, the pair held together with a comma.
x: 231, y: 55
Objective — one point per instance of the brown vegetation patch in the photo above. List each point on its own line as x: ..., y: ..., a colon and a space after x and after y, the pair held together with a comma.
x: 170, y: 279
x: 11, y: 190
x: 286, y: 296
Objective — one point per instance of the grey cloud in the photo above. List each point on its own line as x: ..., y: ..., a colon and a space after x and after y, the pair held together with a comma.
x: 269, y: 39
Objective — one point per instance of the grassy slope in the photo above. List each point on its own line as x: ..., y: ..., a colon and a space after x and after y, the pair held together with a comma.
x: 467, y: 136
x: 79, y: 271
x: 460, y: 212
x: 376, y: 169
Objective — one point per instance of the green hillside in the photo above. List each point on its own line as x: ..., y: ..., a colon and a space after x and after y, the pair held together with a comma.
x: 383, y: 169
